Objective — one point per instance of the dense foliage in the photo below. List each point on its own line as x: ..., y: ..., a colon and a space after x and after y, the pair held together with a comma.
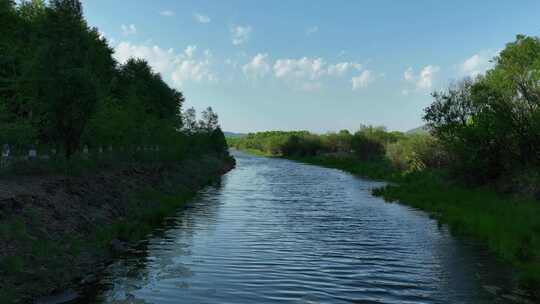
x: 406, y: 152
x: 60, y: 88
x: 490, y: 125
x: 367, y: 143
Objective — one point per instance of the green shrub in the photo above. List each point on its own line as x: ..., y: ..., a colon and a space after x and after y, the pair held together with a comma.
x: 416, y: 153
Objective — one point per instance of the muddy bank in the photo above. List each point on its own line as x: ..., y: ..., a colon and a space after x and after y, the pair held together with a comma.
x: 56, y: 231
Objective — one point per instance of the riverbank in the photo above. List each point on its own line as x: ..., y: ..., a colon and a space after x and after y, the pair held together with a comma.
x: 58, y: 231
x: 508, y: 225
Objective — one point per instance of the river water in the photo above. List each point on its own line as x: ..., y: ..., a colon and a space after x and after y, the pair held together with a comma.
x: 277, y: 231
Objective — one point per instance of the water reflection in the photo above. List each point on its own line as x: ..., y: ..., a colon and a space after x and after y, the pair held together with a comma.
x: 276, y: 231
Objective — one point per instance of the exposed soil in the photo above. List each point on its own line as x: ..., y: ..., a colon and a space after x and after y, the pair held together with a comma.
x: 46, y: 222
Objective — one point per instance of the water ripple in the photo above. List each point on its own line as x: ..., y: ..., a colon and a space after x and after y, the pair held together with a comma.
x: 276, y: 231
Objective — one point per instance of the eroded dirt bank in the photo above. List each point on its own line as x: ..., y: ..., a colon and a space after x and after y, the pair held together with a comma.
x: 56, y: 231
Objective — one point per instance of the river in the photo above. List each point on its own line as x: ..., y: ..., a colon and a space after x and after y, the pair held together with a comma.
x: 277, y: 231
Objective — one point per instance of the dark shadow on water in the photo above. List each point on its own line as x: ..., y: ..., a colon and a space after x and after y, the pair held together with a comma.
x: 133, y: 265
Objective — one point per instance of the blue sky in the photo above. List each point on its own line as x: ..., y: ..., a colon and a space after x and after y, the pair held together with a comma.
x: 312, y: 65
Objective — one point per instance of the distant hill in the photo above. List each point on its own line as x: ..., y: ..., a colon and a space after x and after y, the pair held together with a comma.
x: 420, y: 130
x: 232, y: 134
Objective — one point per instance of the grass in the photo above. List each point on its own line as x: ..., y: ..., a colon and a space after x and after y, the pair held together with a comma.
x: 143, y: 217
x: 42, y: 264
x: 258, y: 152
x: 379, y: 170
x: 510, y: 226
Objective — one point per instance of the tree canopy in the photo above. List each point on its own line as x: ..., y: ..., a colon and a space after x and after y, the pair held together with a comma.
x: 61, y: 87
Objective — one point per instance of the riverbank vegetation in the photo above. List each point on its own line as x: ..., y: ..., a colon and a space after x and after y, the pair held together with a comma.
x: 93, y: 152
x: 478, y: 169
x: 59, y: 232
x: 63, y: 95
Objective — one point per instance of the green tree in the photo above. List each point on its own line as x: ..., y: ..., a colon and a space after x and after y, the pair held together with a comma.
x: 490, y: 125
x: 73, y: 70
x: 209, y: 120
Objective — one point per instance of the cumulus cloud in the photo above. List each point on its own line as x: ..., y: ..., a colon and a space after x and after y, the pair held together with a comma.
x: 201, y: 18
x: 177, y: 67
x: 306, y: 73
x: 477, y: 64
x: 159, y: 59
x: 191, y: 69
x: 128, y: 29
x: 240, y: 34
x: 362, y: 80
x: 311, y: 68
x: 424, y: 80
x: 258, y: 67
x: 167, y: 13
x: 340, y: 69
x: 426, y: 77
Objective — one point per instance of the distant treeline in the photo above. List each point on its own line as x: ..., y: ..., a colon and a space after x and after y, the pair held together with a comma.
x: 406, y: 152
x: 61, y: 88
x: 484, y: 130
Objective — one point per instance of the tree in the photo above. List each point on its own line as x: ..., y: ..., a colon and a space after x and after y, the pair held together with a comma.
x: 209, y: 121
x: 73, y: 70
x: 490, y: 125
x: 189, y: 119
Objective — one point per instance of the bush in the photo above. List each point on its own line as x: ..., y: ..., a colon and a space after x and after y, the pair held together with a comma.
x: 416, y: 152
x: 366, y: 148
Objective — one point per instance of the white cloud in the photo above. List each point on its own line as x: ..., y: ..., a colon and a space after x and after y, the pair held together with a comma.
x: 312, y: 30
x: 362, y: 81
x: 257, y: 67
x: 188, y: 67
x: 340, y: 69
x: 201, y: 18
x: 192, y: 70
x: 158, y: 58
x: 426, y: 77
x: 167, y: 13
x: 104, y: 35
x: 306, y: 73
x: 477, y: 64
x: 312, y: 68
x: 240, y: 34
x: 128, y: 29
x: 422, y: 81
x: 299, y: 68
x: 176, y: 67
